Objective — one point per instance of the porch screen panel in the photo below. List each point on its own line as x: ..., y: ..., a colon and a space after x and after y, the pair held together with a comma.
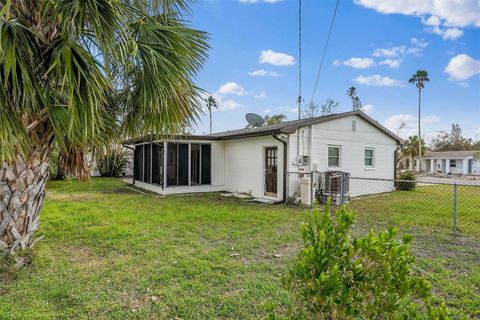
x: 206, y: 164
x: 172, y: 164
x: 182, y: 164
x: 195, y: 164
x: 138, y: 163
x: 157, y: 163
x: 147, y: 163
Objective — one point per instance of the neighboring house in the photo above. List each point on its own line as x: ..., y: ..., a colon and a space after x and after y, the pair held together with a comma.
x: 257, y: 160
x: 449, y: 162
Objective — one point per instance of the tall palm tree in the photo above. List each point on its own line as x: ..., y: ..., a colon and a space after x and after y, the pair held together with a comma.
x: 78, y: 73
x: 419, y: 79
x: 356, y: 104
x: 211, y: 103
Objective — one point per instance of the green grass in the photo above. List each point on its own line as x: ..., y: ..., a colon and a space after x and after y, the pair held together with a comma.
x: 112, y: 253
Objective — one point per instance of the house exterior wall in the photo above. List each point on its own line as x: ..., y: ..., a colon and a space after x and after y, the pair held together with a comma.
x: 245, y: 165
x: 352, y: 143
x: 439, y: 164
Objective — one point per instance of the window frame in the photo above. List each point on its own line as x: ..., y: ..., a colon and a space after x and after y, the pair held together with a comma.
x: 339, y: 157
x: 371, y: 166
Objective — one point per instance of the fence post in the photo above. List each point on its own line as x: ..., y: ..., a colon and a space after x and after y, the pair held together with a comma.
x: 311, y: 189
x: 455, y: 196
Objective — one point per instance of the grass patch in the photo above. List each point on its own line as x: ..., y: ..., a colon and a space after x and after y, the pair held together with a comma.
x: 112, y: 253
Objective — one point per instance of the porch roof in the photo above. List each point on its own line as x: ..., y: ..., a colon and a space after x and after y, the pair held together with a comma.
x: 450, y: 154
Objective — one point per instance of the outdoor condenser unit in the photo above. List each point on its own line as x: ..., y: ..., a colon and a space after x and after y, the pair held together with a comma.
x: 334, y: 184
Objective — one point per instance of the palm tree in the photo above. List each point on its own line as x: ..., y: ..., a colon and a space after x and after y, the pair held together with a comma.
x: 419, y: 79
x: 410, y: 148
x: 356, y: 104
x: 274, y: 119
x: 211, y: 103
x: 77, y: 74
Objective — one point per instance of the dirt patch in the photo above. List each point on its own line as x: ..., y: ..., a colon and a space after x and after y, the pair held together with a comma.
x: 57, y: 196
x: 84, y: 258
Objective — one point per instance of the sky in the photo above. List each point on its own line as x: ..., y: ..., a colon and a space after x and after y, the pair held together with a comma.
x: 375, y: 45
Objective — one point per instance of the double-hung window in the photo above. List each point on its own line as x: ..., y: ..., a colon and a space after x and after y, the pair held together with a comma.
x: 334, y: 156
x: 369, y: 157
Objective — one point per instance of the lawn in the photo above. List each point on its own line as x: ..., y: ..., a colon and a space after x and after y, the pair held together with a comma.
x: 112, y: 253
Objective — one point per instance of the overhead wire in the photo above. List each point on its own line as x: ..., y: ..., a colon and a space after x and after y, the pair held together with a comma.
x: 325, y: 49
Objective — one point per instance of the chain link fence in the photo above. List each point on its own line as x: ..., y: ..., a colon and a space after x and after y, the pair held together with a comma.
x: 430, y: 207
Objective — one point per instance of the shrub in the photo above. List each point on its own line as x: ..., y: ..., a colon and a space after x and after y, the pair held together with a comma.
x: 405, y: 184
x: 337, y: 277
x: 55, y: 166
x: 111, y: 161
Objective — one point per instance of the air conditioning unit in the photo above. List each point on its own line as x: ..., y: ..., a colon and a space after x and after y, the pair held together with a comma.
x: 334, y: 184
x: 303, y: 160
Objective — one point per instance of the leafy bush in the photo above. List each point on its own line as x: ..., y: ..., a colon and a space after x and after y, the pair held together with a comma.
x: 111, y: 161
x: 337, y: 277
x: 406, y: 185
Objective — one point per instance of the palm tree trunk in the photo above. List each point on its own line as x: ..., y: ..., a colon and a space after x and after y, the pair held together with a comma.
x: 22, y: 190
x: 210, y: 112
x: 419, y: 131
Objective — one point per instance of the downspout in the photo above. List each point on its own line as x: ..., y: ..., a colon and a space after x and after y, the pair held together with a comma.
x: 285, y: 151
x: 133, y: 176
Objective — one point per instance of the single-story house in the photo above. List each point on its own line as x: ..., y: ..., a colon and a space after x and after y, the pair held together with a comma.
x: 258, y: 160
x: 449, y: 162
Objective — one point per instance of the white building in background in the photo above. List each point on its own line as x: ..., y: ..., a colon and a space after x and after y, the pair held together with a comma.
x: 259, y: 161
x: 449, y: 162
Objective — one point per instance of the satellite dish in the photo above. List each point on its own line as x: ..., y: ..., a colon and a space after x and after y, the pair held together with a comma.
x: 254, y: 120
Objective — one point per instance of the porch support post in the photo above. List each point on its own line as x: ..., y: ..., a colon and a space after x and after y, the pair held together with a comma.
x: 432, y: 165
x: 465, y: 166
x: 447, y: 166
x: 164, y: 184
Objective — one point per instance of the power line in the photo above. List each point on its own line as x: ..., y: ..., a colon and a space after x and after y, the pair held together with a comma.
x: 325, y: 49
x: 299, y: 100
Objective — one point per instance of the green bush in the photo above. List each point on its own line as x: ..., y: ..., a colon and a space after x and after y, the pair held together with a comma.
x: 55, y: 166
x: 111, y: 161
x: 337, y: 277
x: 406, y: 185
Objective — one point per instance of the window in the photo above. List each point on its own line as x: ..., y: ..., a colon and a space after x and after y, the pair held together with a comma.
x: 206, y: 164
x: 369, y: 157
x: 147, y: 154
x: 138, y: 163
x: 334, y: 156
x: 453, y: 163
x: 180, y: 160
x: 157, y: 163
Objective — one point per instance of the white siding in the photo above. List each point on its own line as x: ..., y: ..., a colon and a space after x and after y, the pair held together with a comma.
x: 245, y: 165
x: 339, y: 132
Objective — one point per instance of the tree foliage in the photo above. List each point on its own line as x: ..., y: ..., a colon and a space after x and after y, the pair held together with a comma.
x: 274, y: 119
x: 111, y: 161
x: 452, y: 141
x: 410, y: 148
x: 89, y: 69
x: 314, y: 109
x: 371, y: 277
x: 356, y: 103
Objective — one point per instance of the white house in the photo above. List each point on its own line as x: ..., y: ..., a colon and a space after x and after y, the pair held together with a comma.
x: 257, y: 160
x: 450, y: 162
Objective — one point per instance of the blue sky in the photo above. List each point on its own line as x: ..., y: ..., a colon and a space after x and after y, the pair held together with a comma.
x: 253, y: 61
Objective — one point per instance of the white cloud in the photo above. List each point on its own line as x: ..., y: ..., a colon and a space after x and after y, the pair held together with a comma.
x: 394, y: 122
x: 430, y: 119
x: 276, y: 58
x: 419, y: 42
x: 462, y: 67
x: 433, y: 13
x: 267, y: 111
x: 357, y: 63
x: 396, y: 51
x: 446, y: 33
x: 264, y: 73
x: 376, y: 80
x: 261, y: 95
x: 392, y: 63
x: 232, y: 88
x: 368, y: 108
x: 229, y: 105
